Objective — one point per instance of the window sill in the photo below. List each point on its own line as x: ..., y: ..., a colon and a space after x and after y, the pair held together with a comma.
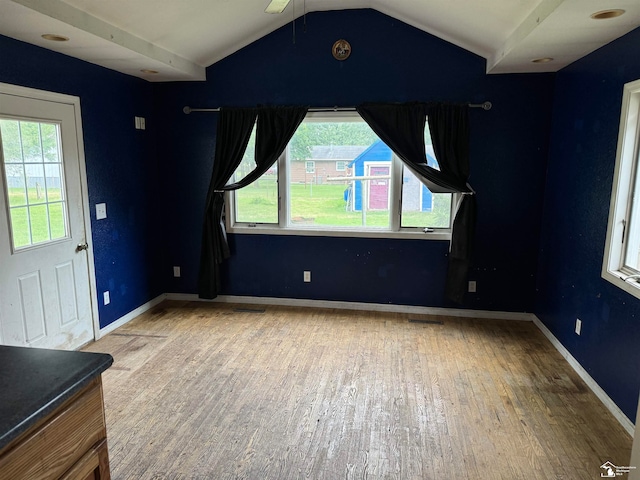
x: 617, y: 278
x: 442, y: 235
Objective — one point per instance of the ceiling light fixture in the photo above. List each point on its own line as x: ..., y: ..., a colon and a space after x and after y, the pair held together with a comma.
x: 542, y: 60
x: 605, y: 14
x: 277, y: 6
x: 149, y: 71
x: 55, y: 38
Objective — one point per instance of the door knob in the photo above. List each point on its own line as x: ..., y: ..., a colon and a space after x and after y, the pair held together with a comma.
x: 82, y: 246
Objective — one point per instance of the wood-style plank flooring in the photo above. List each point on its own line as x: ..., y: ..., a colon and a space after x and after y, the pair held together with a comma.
x: 208, y: 391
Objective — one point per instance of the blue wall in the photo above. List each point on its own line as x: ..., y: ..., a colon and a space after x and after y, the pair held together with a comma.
x: 121, y: 167
x: 391, y: 62
x: 586, y: 117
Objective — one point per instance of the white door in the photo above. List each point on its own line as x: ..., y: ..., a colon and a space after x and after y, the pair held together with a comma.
x: 45, y: 294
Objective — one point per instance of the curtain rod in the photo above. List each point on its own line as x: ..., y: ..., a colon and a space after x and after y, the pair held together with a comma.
x: 188, y: 110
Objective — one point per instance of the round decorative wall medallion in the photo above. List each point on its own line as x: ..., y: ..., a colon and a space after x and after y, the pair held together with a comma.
x: 341, y: 49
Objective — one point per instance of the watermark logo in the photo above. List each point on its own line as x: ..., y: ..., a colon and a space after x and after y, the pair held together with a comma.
x: 613, y: 471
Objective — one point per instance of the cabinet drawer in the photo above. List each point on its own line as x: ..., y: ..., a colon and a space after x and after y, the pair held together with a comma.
x: 93, y: 466
x: 59, y: 442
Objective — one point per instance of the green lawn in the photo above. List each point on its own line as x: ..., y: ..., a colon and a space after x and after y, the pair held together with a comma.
x: 324, y: 205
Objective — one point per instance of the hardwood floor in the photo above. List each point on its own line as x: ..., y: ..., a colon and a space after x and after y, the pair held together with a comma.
x: 208, y: 391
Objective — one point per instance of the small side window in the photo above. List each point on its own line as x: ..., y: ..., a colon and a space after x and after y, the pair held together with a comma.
x: 621, y: 264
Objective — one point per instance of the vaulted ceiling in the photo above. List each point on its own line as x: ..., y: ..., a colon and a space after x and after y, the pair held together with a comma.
x: 178, y: 39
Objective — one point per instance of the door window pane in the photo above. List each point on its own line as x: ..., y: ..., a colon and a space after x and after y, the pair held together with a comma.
x: 57, y: 220
x: 34, y: 176
x: 50, y: 146
x: 16, y: 184
x: 12, y: 149
x: 31, y: 141
x: 20, y: 226
x: 53, y: 181
x: 39, y: 223
x: 35, y: 183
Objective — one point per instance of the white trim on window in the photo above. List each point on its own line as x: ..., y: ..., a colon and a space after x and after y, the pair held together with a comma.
x: 613, y: 265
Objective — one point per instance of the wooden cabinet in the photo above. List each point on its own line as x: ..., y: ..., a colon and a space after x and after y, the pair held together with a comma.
x: 70, y: 443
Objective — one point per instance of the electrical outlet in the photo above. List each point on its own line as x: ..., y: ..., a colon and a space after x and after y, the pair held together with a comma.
x: 306, y: 276
x: 176, y: 271
x: 107, y: 298
x: 472, y: 286
x: 578, y: 326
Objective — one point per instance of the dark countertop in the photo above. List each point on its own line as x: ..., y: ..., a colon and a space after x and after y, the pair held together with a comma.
x: 35, y: 381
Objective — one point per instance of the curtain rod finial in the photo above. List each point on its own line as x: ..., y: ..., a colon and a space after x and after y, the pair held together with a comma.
x: 487, y: 106
x: 186, y: 110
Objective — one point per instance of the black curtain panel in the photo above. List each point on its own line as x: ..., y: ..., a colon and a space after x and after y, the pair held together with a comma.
x: 449, y: 129
x: 462, y: 236
x: 234, y: 129
x: 276, y: 126
x: 401, y: 127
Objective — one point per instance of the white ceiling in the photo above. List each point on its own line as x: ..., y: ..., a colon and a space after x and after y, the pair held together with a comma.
x: 180, y: 38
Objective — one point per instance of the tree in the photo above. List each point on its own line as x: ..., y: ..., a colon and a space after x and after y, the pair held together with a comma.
x: 311, y: 134
x: 29, y: 141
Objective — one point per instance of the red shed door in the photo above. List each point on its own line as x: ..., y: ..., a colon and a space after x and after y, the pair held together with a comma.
x: 378, y: 188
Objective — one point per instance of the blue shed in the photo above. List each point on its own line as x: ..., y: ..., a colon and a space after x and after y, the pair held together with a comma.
x: 376, y: 161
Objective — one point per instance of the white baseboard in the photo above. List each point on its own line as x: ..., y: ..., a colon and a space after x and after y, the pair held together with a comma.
x: 383, y: 307
x: 376, y: 307
x: 591, y: 383
x: 130, y: 316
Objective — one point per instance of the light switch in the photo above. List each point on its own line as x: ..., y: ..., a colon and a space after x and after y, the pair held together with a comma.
x: 101, y: 211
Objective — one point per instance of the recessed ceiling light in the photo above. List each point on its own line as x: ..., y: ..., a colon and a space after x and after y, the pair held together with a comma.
x: 149, y: 71
x: 604, y: 14
x: 55, y: 38
x: 542, y: 60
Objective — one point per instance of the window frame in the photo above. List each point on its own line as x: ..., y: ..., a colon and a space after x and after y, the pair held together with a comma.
x: 282, y: 227
x: 309, y: 167
x: 624, y: 187
x: 46, y: 203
